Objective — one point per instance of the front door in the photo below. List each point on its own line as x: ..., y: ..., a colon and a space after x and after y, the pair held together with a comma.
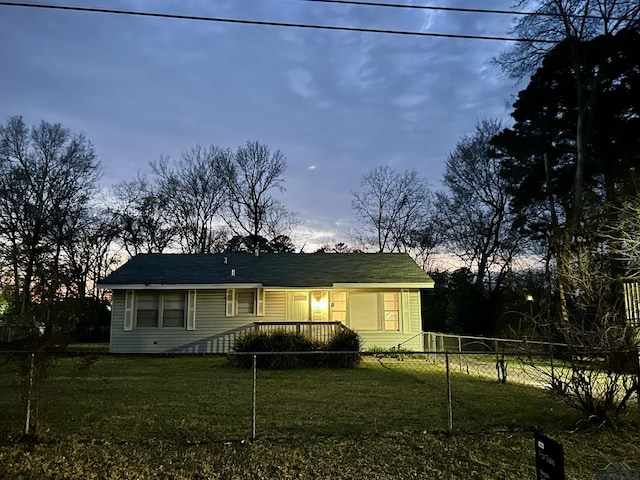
x: 299, y: 307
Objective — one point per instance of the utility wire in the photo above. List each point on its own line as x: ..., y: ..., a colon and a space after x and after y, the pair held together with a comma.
x: 456, y: 9
x: 271, y: 24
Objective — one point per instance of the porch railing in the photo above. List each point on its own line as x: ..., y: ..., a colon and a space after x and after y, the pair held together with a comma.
x: 317, y: 331
x: 224, y: 342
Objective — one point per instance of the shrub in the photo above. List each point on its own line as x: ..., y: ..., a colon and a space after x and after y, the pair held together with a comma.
x: 274, y: 341
x: 344, y: 341
x: 283, y: 341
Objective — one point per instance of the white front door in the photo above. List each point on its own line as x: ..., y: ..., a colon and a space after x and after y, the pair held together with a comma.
x: 299, y: 307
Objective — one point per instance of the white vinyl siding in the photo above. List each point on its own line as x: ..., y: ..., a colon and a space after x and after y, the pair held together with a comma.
x: 275, y: 306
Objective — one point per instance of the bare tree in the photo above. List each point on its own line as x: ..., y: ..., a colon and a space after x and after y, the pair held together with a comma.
x: 474, y: 211
x: 89, y: 251
x: 47, y: 175
x: 142, y: 219
x: 596, y: 370
x: 192, y: 192
x: 251, y: 174
x: 340, y: 247
x: 558, y: 20
x: 390, y: 209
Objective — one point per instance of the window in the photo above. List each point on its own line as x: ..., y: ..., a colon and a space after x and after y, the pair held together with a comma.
x: 160, y: 309
x: 148, y: 309
x: 374, y: 311
x: 245, y: 302
x: 173, y: 310
x: 339, y: 306
x: 363, y: 311
x: 391, y: 311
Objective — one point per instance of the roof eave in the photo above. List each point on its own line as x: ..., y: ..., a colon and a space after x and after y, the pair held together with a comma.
x: 406, y: 285
x: 177, y: 286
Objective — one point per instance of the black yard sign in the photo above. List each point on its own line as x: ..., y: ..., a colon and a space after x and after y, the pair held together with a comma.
x: 549, y: 458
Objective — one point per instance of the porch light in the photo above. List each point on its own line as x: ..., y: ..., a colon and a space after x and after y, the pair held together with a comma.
x: 319, y: 303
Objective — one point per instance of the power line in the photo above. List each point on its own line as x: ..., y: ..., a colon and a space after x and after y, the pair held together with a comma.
x: 271, y: 24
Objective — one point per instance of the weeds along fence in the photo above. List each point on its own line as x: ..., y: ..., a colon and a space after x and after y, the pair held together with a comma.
x: 193, y: 399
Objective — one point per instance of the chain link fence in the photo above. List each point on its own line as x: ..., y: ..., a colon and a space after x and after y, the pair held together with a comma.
x: 280, y: 395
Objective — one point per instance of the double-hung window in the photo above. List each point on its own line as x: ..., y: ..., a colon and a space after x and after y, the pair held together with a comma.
x: 160, y: 309
x: 147, y: 309
x: 244, y: 302
x: 374, y: 311
x: 173, y: 311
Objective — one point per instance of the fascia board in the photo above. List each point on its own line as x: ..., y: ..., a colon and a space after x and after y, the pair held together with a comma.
x: 177, y: 286
x: 385, y: 285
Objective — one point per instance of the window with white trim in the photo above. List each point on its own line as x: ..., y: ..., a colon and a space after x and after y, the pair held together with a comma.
x: 339, y: 306
x: 391, y: 311
x: 374, y: 311
x: 160, y: 309
x: 241, y: 301
x: 147, y: 309
x: 245, y: 302
x: 173, y: 309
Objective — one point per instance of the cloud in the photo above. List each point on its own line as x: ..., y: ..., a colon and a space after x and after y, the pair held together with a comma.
x: 349, y: 102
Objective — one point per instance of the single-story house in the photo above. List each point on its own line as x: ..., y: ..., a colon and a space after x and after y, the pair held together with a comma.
x: 200, y: 303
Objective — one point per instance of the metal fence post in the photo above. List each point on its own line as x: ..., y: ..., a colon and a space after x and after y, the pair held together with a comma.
x: 553, y: 373
x: 449, y: 406
x: 253, y: 409
x: 460, y: 353
x: 27, y: 423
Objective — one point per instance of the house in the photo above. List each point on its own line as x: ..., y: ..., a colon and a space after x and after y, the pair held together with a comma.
x: 199, y: 303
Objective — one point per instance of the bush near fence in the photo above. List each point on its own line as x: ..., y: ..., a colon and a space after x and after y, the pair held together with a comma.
x: 298, y: 350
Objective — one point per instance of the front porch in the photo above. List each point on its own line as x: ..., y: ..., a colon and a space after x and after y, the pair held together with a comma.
x: 225, y: 341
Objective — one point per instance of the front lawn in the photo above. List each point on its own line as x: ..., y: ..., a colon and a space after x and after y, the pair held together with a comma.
x: 190, y: 417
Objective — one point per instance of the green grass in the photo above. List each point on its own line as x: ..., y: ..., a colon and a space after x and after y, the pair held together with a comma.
x: 190, y: 417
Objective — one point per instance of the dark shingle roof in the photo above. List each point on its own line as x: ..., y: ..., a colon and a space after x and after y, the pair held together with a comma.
x: 269, y: 269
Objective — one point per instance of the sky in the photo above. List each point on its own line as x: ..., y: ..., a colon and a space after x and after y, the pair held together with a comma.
x: 337, y: 104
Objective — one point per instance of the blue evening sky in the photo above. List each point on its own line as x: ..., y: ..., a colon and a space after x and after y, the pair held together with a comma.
x: 336, y: 103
